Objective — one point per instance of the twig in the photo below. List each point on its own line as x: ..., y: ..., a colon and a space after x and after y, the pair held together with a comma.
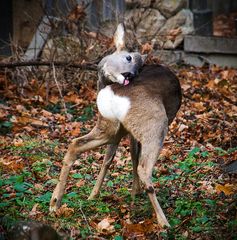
x: 59, y: 90
x: 84, y: 216
x: 84, y: 66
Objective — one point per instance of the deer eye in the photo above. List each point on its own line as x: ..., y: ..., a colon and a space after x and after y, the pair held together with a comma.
x: 129, y: 58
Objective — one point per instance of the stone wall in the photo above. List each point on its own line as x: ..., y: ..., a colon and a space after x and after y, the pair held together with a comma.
x: 163, y: 23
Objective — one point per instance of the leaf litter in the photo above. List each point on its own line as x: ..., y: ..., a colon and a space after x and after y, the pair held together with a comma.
x: 199, y: 198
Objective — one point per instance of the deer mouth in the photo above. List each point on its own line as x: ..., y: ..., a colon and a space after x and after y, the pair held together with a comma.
x: 128, y: 76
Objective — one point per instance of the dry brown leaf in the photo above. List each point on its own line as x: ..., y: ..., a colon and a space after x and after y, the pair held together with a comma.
x: 199, y: 106
x: 12, y: 163
x: 173, y: 33
x: 38, y: 186
x: 24, y: 120
x: 34, y: 211
x: 18, y: 142
x: 54, y: 99
x: 227, y: 189
x: 46, y: 113
x: 73, y: 97
x: 182, y: 127
x: 185, y: 87
x: 132, y: 231
x: 64, y: 211
x: 80, y: 183
x: 206, y: 186
x: 228, y: 74
x: 211, y: 84
x: 20, y: 108
x: 59, y: 117
x: 76, y: 129
x: 3, y: 113
x: 146, y: 48
x: 28, y: 128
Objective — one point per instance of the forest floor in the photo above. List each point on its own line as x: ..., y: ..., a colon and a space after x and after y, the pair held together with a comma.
x: 196, y: 194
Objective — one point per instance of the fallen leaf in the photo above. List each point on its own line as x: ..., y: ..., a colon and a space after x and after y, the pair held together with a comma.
x: 64, y: 211
x: 182, y: 127
x: 34, y: 211
x: 18, y: 142
x: 227, y: 189
x: 12, y: 163
x: 76, y: 129
x: 20, y: 108
x: 80, y: 183
x: 3, y: 113
x: 185, y: 87
x: 173, y: 33
x: 199, y: 106
x: 46, y: 113
x: 146, y: 48
x: 133, y: 231
x: 105, y: 226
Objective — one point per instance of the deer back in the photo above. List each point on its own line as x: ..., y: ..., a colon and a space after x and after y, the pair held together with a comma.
x: 154, y: 83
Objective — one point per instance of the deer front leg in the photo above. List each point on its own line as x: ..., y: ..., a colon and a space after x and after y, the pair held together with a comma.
x: 58, y: 192
x: 111, y: 150
x: 91, y: 140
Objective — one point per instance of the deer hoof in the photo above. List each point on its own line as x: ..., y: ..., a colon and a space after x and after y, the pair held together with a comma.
x: 55, y: 204
x: 92, y: 195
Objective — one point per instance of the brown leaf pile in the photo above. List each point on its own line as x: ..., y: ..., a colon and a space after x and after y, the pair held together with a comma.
x: 207, y: 120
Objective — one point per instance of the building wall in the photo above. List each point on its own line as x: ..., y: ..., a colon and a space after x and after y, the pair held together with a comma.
x: 26, y: 17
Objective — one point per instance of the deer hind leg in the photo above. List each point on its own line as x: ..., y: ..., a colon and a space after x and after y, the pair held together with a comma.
x: 135, y: 150
x: 110, y: 153
x: 92, y: 140
x: 151, y: 147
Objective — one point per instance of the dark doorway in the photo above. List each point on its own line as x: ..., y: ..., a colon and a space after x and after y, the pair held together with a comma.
x: 5, y: 26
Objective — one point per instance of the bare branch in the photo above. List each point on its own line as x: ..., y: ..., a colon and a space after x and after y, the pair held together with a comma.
x: 59, y: 90
x: 84, y: 66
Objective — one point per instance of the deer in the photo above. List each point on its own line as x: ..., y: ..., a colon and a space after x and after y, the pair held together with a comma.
x: 133, y: 99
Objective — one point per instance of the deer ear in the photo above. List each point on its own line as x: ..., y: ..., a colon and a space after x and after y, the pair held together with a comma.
x: 119, y: 38
x: 143, y: 57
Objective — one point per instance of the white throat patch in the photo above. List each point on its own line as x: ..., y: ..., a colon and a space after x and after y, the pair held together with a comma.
x: 112, y: 106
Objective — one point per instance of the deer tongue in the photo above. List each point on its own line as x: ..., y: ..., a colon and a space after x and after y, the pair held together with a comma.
x: 126, y: 82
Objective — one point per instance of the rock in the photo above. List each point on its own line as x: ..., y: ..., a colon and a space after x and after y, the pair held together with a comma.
x: 172, y: 33
x: 137, y: 3
x: 169, y: 8
x: 108, y: 28
x: 61, y: 49
x: 143, y: 24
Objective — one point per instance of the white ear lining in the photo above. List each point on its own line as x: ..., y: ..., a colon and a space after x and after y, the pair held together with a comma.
x: 119, y: 38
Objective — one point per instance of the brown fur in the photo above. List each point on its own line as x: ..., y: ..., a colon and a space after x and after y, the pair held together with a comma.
x: 155, y: 99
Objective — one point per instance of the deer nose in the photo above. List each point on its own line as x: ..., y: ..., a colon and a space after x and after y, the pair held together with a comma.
x: 128, y: 75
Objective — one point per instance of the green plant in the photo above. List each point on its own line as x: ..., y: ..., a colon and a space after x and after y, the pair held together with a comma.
x: 87, y: 114
x: 5, y: 125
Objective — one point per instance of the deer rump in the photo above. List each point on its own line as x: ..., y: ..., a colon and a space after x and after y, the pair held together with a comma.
x: 155, y: 85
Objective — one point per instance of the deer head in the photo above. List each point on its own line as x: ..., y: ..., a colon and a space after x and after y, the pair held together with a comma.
x: 121, y: 66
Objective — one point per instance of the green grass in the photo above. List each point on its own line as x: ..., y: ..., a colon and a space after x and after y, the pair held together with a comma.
x: 192, y: 211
